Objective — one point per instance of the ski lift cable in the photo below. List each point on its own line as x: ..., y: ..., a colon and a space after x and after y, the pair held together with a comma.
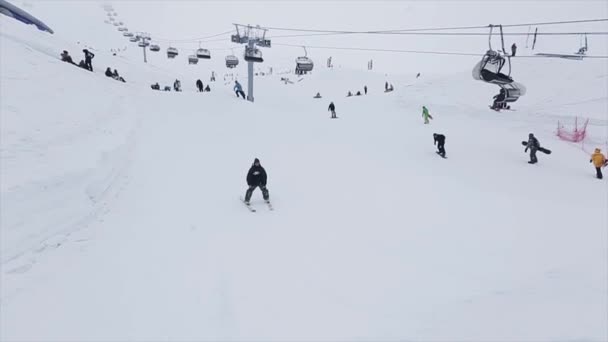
x: 195, y: 39
x: 437, y: 28
x: 449, y: 34
x: 453, y: 53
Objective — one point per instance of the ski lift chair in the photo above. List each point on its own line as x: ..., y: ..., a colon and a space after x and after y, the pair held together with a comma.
x: 304, y: 65
x: 192, y: 59
x: 490, y: 67
x: 172, y: 52
x: 253, y: 55
x: 154, y: 48
x: 232, y: 61
x: 203, y: 54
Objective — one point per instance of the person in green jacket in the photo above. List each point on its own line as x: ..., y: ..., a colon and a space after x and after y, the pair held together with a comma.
x: 426, y: 115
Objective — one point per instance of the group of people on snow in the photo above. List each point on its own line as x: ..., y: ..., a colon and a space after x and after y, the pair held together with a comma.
x: 87, y: 63
x: 200, y: 88
x: 114, y: 74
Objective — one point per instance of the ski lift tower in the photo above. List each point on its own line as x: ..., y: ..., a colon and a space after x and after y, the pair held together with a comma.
x: 144, y: 43
x: 252, y: 36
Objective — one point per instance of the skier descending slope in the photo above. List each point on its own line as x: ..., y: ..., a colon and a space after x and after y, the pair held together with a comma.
x: 426, y: 115
x: 440, y: 142
x: 332, y: 109
x: 256, y: 177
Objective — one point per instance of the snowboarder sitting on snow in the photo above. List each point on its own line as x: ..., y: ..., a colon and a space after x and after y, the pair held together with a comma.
x: 533, y: 145
x: 117, y: 76
x: 358, y: 93
x: 65, y: 56
x: 207, y: 88
x: 318, y: 96
x: 256, y: 177
x: 238, y: 89
x: 155, y: 86
x: 599, y: 161
x: 440, y: 142
x: 109, y: 72
x: 349, y: 94
x: 426, y: 115
x: 332, y: 109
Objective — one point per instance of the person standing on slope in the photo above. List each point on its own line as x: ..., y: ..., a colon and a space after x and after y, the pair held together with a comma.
x: 533, y: 145
x: 365, y: 89
x: 238, y: 89
x: 513, y: 50
x: 256, y: 177
x: 199, y: 85
x: 88, y: 57
x: 426, y: 115
x: 332, y: 109
x: 599, y: 161
x: 440, y: 142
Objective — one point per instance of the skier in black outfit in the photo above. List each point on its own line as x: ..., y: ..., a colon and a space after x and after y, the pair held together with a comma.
x: 533, y: 145
x: 440, y: 142
x: 365, y: 89
x: 199, y: 85
x: 256, y: 177
x: 513, y: 49
x: 88, y: 57
x: 332, y: 108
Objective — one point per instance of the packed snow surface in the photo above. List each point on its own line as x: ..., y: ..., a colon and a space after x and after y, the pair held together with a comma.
x: 120, y: 216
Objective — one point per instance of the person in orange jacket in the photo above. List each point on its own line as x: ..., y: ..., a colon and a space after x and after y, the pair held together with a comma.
x: 599, y: 161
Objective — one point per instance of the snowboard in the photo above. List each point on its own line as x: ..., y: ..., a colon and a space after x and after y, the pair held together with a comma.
x: 444, y: 157
x: 541, y: 149
x: 499, y: 109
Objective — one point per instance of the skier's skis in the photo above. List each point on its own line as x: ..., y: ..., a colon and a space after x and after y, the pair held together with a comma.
x: 270, y: 207
x: 248, y: 205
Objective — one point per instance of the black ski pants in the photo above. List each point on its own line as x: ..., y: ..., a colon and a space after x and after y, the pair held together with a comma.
x: 441, y: 149
x: 249, y: 192
x: 240, y: 92
x: 533, y: 158
x: 598, y: 173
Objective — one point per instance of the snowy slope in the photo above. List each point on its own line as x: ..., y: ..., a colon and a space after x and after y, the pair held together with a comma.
x: 120, y: 217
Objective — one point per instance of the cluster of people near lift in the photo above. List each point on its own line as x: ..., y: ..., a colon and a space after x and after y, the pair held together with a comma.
x: 177, y: 86
x: 85, y: 63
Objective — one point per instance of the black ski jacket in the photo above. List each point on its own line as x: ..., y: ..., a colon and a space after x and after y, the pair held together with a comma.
x: 439, y: 138
x: 533, y: 144
x: 331, y: 107
x: 256, y: 176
